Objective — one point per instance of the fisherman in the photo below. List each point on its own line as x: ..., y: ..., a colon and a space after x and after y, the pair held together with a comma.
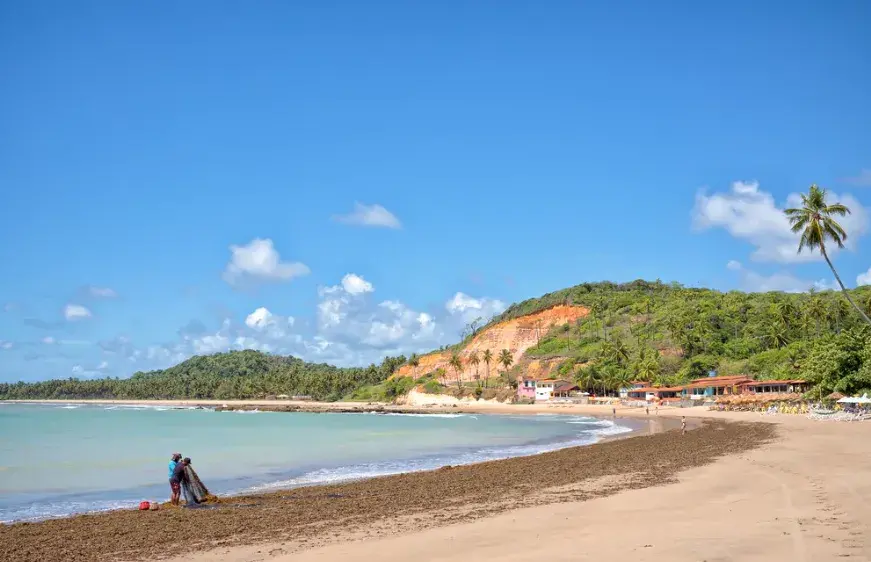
x: 174, y: 485
x: 177, y: 479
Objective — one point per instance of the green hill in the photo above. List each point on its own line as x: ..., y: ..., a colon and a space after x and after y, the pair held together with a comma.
x: 663, y: 333
x: 233, y: 375
x: 667, y: 334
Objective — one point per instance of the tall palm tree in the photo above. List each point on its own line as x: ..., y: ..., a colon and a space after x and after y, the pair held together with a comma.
x: 506, y: 360
x: 457, y: 365
x: 816, y: 223
x: 587, y: 378
x: 414, y: 361
x: 474, y: 360
x: 487, y: 357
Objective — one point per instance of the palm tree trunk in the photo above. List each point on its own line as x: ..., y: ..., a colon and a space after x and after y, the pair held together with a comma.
x: 841, y: 283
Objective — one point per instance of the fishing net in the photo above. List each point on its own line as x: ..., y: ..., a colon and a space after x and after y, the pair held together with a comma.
x: 195, y: 491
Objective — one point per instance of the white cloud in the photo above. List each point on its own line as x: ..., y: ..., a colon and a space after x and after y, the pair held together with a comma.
x: 469, y: 309
x: 74, y: 312
x: 48, y: 340
x: 259, y: 261
x: 864, y: 278
x: 863, y: 179
x: 370, y: 215
x: 102, y: 292
x: 6, y: 345
x: 753, y: 281
x: 356, y: 285
x: 350, y: 329
x: 259, y: 319
x: 88, y: 373
x: 9, y: 307
x: 748, y: 213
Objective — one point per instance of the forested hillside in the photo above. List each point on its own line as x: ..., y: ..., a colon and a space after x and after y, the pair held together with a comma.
x: 232, y: 375
x: 668, y: 334
x: 662, y: 333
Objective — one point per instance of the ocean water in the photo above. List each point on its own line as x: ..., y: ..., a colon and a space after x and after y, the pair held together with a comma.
x: 57, y: 459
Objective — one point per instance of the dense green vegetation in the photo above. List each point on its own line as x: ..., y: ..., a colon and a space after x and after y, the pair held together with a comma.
x: 667, y: 334
x: 223, y: 376
x: 662, y: 333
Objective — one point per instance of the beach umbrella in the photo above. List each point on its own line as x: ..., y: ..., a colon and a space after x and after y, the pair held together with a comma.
x: 835, y: 396
x: 848, y: 400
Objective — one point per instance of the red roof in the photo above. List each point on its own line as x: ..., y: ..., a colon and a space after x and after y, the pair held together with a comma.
x: 732, y: 380
x: 773, y: 382
x: 566, y: 388
x: 657, y: 389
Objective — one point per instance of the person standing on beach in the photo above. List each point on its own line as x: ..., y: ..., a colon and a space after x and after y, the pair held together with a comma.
x: 683, y: 425
x: 647, y: 410
x: 176, y: 477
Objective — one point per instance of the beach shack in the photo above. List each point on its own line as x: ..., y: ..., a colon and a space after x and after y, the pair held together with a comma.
x: 655, y: 392
x: 567, y: 390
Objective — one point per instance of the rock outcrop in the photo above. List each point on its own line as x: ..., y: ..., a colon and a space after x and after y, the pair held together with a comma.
x: 516, y: 335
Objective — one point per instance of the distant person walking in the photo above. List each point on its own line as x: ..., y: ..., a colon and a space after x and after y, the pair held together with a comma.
x: 656, y: 410
x: 613, y: 411
x: 174, y: 485
x: 683, y: 425
x: 647, y: 410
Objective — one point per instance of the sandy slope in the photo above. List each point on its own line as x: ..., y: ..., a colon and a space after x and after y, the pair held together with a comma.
x: 801, y: 498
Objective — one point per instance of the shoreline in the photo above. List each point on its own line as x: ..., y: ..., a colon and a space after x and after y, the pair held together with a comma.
x: 466, y: 492
x: 471, y: 407
x: 632, y: 427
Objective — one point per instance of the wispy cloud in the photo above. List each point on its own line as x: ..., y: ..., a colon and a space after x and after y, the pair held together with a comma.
x: 73, y: 312
x: 369, y: 215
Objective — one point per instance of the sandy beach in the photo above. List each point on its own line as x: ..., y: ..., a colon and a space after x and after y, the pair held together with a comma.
x: 740, y: 487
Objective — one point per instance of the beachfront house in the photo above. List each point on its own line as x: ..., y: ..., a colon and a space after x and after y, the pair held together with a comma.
x: 708, y: 387
x: 544, y: 389
x: 526, y: 389
x: 775, y: 387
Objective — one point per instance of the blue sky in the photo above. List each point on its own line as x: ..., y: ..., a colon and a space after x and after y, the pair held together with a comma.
x: 343, y: 180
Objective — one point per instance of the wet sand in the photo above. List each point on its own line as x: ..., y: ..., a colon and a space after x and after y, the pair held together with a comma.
x: 298, y: 520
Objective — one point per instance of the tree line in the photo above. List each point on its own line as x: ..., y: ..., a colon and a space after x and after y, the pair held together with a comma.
x: 224, y: 376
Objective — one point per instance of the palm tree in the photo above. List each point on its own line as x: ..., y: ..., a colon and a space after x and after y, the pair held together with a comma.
x: 587, y: 378
x: 414, y: 361
x: 506, y: 360
x: 457, y: 364
x: 487, y: 357
x: 776, y: 335
x: 816, y: 223
x: 474, y: 360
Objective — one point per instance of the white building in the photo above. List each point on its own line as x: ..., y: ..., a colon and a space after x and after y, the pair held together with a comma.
x: 544, y: 389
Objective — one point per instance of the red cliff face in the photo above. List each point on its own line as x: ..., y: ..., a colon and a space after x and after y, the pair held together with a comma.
x: 515, y: 335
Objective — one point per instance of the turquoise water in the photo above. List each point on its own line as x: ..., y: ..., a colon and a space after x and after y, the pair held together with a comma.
x: 57, y: 460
